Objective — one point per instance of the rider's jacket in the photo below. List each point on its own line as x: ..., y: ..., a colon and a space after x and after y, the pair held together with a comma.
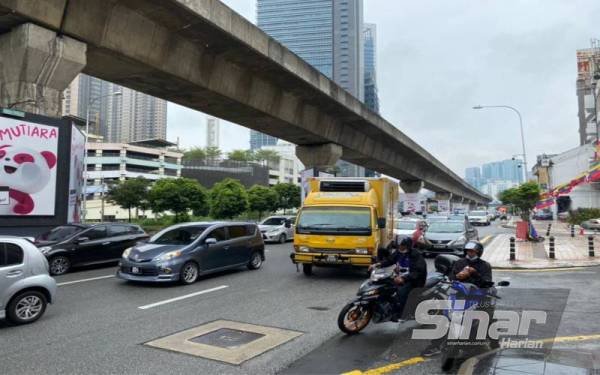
x: 414, y: 261
x: 482, y: 275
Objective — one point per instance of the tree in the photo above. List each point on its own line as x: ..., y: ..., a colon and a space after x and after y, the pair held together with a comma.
x: 195, y: 153
x: 524, y: 197
x: 179, y: 195
x: 261, y: 199
x: 266, y: 156
x: 228, y: 199
x: 213, y: 153
x: 132, y: 193
x: 289, y: 195
x: 241, y: 155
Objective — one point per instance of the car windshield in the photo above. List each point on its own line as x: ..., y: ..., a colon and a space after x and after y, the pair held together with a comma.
x: 437, y: 218
x: 478, y: 213
x: 178, y: 236
x: 273, y: 221
x: 456, y: 217
x: 406, y: 225
x: 446, y: 227
x: 335, y: 219
x: 59, y: 233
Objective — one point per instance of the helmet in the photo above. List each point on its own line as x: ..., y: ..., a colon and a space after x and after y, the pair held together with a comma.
x: 403, y: 241
x: 474, y: 245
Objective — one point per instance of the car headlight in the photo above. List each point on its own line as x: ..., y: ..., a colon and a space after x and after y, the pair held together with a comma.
x: 168, y: 256
x: 361, y: 250
x: 126, y: 252
x: 460, y: 241
x: 304, y: 249
x: 45, y: 249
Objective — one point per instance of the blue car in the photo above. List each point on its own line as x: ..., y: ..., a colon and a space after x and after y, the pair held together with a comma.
x: 183, y: 252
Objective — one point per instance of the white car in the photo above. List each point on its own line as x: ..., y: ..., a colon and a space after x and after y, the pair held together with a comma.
x: 406, y: 227
x: 277, y: 229
x: 479, y: 218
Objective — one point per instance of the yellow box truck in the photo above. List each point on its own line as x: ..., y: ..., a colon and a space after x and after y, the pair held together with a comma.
x: 344, y: 221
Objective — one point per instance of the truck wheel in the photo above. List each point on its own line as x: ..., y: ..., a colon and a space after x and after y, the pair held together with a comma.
x: 307, y: 269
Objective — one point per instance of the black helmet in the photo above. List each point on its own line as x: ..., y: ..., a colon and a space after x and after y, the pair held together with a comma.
x: 403, y: 241
x: 474, y: 245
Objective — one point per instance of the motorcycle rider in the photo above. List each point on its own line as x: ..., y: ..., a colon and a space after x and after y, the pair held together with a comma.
x: 411, y: 268
x: 470, y: 269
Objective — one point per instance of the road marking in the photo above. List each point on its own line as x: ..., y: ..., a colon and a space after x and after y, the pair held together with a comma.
x: 84, y: 280
x: 573, y: 338
x: 145, y: 307
x: 486, y: 239
x: 389, y: 368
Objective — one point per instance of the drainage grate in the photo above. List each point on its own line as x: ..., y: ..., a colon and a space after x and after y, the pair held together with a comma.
x: 227, y: 338
x: 319, y: 308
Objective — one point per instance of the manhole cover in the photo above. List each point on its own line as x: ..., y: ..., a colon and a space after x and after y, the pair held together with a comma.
x: 319, y: 308
x: 227, y: 338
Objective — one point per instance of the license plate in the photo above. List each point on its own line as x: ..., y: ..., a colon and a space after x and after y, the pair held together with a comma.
x: 135, y: 270
x: 439, y: 246
x: 331, y: 258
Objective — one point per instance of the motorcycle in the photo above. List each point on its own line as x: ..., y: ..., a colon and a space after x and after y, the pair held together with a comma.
x: 375, y: 302
x: 471, y: 298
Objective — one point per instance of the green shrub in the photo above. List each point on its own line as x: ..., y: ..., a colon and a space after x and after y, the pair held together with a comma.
x: 582, y: 214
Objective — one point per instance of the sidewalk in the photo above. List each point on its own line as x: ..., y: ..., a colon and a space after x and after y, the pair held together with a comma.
x: 569, y: 252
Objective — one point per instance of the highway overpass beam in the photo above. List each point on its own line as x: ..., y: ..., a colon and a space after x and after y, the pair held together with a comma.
x: 319, y: 156
x: 36, y: 66
x: 411, y: 186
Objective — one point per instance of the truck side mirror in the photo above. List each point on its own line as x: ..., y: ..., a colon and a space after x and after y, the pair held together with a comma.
x: 381, y: 222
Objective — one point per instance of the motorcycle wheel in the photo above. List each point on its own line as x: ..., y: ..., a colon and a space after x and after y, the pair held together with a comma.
x: 447, y: 363
x: 354, y: 318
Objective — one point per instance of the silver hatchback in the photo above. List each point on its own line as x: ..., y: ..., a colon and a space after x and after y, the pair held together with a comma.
x: 25, y: 286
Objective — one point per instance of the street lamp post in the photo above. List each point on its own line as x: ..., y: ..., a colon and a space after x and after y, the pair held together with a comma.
x: 85, y: 148
x: 520, y: 124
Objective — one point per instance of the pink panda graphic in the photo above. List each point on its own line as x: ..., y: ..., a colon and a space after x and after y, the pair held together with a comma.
x: 25, y: 172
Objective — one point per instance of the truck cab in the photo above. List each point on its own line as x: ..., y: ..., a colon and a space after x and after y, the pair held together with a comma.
x: 344, y: 221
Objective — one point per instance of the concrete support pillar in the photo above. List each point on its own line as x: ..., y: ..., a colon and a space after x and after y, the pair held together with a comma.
x: 319, y: 156
x: 441, y: 196
x: 411, y: 186
x: 36, y: 66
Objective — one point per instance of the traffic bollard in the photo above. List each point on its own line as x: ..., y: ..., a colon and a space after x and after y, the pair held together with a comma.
x: 548, y: 231
x: 551, y: 248
x: 512, y: 248
x: 572, y: 230
x: 591, y: 246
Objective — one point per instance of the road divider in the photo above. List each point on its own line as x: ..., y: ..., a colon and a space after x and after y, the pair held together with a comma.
x: 486, y: 239
x: 85, y: 280
x: 145, y: 307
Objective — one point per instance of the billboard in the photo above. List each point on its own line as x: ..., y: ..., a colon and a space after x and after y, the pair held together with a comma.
x: 28, y: 164
x: 76, y: 180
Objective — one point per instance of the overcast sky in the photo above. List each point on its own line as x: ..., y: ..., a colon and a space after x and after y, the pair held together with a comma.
x: 438, y: 58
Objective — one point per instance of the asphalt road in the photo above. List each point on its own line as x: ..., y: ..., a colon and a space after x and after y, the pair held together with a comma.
x: 96, y: 325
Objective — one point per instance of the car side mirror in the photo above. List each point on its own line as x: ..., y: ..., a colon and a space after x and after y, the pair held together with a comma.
x: 288, y: 224
x: 381, y: 222
x: 82, y: 239
x: 210, y: 241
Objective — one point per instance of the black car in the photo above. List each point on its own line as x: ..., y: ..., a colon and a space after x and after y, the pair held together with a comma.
x: 77, y: 245
x: 183, y: 252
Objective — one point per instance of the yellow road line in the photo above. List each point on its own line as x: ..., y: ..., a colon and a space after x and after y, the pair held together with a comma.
x: 573, y: 338
x: 486, y: 239
x: 388, y: 368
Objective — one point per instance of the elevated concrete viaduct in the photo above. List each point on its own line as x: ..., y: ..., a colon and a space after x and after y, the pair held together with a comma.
x: 201, y: 54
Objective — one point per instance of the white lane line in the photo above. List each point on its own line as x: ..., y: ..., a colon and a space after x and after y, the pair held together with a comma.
x: 145, y: 307
x: 85, y: 280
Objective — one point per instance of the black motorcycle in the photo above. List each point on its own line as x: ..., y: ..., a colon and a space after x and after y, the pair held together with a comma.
x: 375, y: 301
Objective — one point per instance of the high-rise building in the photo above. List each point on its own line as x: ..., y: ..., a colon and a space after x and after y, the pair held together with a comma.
x: 131, y: 116
x: 212, y: 132
x: 328, y: 34
x: 258, y: 140
x: 370, y: 43
x: 588, y: 75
